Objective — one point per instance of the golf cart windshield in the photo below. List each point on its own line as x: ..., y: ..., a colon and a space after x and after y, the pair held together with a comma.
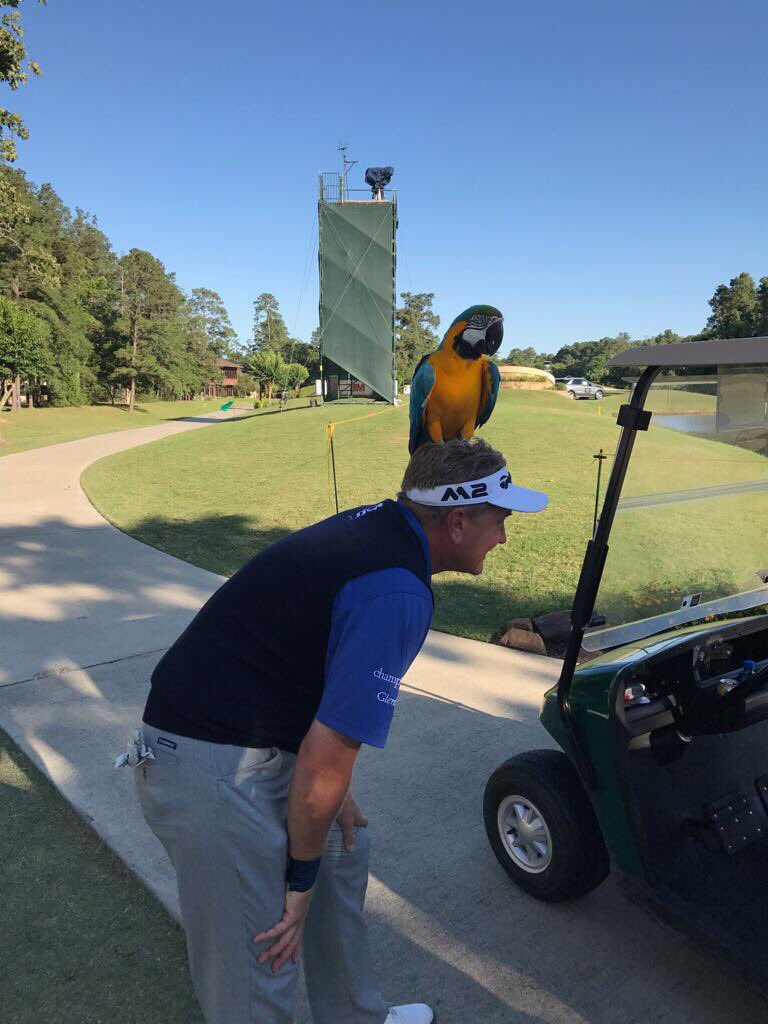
x: 690, y: 536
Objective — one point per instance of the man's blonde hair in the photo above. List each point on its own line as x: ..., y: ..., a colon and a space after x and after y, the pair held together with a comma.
x: 453, y: 462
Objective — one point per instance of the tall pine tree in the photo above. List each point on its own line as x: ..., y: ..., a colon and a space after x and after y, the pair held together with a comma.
x: 209, y: 307
x: 149, y: 302
x: 269, y: 330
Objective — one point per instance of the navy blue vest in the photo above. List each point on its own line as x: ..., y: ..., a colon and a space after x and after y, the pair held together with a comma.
x: 249, y: 669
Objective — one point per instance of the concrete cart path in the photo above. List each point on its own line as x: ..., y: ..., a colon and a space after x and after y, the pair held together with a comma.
x: 75, y: 591
x: 85, y: 612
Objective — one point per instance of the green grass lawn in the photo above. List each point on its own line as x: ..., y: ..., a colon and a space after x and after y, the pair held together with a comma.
x: 217, y: 496
x: 83, y: 941
x: 36, y: 428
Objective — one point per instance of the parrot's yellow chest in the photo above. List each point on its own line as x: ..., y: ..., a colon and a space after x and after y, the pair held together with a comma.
x: 455, y: 399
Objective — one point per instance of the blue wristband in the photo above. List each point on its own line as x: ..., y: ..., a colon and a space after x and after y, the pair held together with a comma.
x: 301, y: 874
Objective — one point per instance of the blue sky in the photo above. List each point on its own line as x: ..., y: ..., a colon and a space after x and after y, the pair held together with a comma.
x: 587, y: 167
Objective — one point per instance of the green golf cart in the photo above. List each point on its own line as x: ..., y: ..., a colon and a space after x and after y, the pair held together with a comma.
x: 661, y: 709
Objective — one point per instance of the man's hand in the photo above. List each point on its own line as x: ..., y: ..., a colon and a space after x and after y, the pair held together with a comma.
x: 287, y: 933
x: 350, y: 817
x: 321, y: 777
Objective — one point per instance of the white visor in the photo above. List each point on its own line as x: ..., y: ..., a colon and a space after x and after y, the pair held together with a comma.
x: 496, y: 489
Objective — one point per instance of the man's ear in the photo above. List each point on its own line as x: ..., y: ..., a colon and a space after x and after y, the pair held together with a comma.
x: 455, y: 523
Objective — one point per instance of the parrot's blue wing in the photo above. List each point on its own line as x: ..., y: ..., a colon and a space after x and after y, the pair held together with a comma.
x: 491, y: 381
x: 421, y: 388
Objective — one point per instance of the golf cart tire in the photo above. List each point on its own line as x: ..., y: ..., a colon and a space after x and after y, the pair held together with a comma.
x: 599, y: 394
x: 578, y: 857
x: 571, y: 394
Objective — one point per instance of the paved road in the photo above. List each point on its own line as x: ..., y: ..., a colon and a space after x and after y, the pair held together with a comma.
x: 85, y: 612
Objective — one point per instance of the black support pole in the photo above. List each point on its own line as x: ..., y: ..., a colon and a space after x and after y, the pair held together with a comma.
x: 335, y: 489
x: 600, y: 459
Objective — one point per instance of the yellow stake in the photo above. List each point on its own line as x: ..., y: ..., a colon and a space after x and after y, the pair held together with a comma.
x: 333, y: 495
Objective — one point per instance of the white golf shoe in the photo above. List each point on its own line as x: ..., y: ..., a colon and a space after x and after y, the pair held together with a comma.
x: 412, y: 1013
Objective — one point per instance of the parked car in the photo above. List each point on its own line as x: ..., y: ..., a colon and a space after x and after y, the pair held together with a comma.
x: 580, y: 387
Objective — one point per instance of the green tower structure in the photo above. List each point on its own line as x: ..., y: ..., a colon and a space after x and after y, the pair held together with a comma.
x: 357, y: 290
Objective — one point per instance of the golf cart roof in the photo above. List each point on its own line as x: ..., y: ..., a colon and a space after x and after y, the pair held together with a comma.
x: 723, y: 352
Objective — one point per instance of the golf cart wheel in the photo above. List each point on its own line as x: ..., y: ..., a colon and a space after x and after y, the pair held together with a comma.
x: 599, y: 394
x: 571, y: 394
x: 542, y: 827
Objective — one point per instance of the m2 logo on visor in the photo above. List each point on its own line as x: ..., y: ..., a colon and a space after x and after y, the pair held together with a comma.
x: 456, y: 494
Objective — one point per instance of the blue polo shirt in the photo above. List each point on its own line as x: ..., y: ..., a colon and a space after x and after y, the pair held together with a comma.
x: 323, y: 624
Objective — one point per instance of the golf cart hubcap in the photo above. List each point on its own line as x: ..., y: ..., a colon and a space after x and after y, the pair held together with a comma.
x: 525, y: 834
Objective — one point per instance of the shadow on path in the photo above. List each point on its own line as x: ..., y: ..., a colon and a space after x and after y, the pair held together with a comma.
x: 74, y: 596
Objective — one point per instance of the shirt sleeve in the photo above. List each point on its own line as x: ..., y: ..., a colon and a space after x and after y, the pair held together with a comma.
x: 378, y: 625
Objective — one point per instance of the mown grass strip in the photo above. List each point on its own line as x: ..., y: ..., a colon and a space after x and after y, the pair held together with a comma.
x: 83, y: 941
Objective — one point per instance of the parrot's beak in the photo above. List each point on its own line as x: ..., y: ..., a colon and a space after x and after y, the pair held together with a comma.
x: 493, y: 337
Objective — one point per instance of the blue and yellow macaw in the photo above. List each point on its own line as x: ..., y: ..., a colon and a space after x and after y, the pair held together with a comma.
x: 454, y: 389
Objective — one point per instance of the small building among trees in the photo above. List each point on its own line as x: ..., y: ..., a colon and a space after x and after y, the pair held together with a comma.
x: 227, y: 387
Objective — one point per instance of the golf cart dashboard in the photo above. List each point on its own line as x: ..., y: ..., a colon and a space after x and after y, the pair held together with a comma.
x: 705, y: 684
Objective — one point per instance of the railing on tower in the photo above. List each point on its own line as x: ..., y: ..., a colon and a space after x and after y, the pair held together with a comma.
x: 333, y: 189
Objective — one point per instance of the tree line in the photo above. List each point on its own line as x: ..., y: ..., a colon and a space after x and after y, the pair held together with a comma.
x: 276, y: 359
x: 81, y: 324
x: 739, y: 310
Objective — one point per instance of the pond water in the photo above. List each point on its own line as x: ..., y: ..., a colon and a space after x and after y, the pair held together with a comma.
x: 697, y: 424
